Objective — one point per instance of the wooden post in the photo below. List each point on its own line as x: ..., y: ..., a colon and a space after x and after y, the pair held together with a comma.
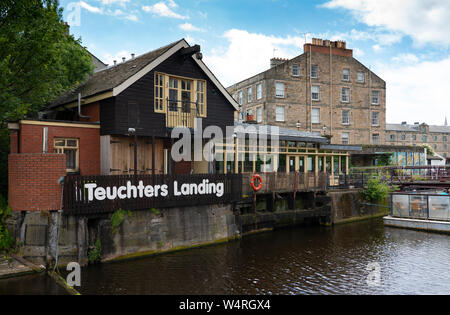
x: 346, y: 164
x: 135, y: 155
x: 153, y: 159
x: 236, y: 156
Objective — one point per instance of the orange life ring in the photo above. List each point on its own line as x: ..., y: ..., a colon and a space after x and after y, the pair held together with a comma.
x: 252, y: 182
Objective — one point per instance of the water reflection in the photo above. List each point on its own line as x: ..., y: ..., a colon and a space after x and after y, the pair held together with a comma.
x: 297, y: 261
x: 30, y: 285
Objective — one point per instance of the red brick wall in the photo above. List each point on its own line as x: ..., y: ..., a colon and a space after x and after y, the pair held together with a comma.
x: 89, y: 143
x: 33, y: 181
x: 13, y: 141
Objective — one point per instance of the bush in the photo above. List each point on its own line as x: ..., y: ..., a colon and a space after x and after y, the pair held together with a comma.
x: 117, y: 219
x: 376, y: 190
x: 95, y: 254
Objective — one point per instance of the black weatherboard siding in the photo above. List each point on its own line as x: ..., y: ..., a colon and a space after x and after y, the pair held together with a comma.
x: 134, y: 107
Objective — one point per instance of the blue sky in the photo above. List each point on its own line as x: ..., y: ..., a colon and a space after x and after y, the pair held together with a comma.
x: 405, y: 42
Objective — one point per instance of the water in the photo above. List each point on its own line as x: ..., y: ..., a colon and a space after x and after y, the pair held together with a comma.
x: 295, y: 261
x: 31, y: 285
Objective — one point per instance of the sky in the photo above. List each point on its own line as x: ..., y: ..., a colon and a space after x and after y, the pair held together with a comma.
x: 405, y: 42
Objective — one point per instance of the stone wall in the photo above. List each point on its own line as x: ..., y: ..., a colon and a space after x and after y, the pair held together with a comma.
x: 349, y: 205
x: 46, y: 235
x: 297, y: 100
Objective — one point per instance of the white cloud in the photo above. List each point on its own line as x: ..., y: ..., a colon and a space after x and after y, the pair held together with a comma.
x: 406, y: 59
x: 109, y: 58
x: 190, y: 28
x: 164, y: 10
x: 120, y: 2
x: 426, y: 21
x: 131, y: 17
x: 249, y: 53
x: 381, y: 36
x: 358, y: 52
x: 417, y: 89
x: 377, y: 48
x: 172, y: 4
x: 90, y: 8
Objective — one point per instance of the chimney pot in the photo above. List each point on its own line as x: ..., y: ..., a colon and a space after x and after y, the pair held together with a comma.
x: 123, y: 59
x: 132, y: 56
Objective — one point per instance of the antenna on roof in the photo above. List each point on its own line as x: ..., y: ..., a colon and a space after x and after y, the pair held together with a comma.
x: 274, y: 50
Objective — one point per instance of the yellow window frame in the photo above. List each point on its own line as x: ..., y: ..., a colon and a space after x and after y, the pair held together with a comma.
x: 196, y: 93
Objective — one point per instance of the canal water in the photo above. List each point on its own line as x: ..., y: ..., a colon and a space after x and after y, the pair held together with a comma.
x: 314, y: 260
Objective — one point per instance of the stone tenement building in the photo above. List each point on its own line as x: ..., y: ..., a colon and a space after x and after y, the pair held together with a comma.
x: 437, y: 137
x: 323, y: 90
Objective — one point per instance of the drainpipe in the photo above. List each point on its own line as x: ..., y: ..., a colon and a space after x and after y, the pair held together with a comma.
x: 79, y: 107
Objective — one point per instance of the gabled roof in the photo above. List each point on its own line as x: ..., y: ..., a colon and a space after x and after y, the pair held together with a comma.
x: 116, y: 79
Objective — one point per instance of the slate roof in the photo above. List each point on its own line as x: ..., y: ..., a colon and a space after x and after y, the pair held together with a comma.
x: 415, y: 128
x: 106, y: 79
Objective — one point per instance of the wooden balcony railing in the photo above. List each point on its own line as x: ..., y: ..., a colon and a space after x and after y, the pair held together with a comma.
x: 181, y: 114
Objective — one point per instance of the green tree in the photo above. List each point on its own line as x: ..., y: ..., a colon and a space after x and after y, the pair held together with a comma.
x: 39, y: 61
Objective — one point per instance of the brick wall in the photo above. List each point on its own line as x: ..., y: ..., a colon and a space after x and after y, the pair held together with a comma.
x: 89, y: 143
x: 13, y: 141
x: 33, y: 181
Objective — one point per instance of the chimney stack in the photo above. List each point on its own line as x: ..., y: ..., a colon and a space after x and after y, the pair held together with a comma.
x: 132, y: 56
x: 338, y: 48
x: 115, y: 63
x: 123, y: 59
x: 67, y: 30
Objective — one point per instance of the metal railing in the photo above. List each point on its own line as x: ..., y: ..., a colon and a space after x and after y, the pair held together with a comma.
x: 287, y: 182
x: 421, y: 206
